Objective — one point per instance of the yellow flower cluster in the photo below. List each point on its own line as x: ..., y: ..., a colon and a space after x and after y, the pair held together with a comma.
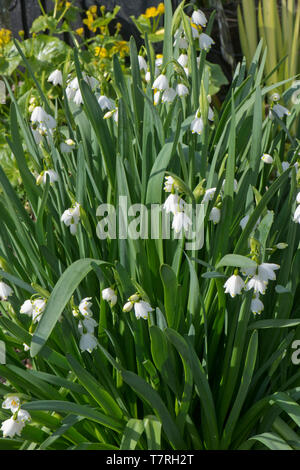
x: 101, y: 52
x: 152, y: 12
x: 5, y: 36
x: 79, y: 31
x: 63, y: 4
x: 91, y: 15
x: 120, y: 47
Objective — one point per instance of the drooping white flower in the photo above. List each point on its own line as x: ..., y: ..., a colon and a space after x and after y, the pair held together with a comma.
x: 257, y: 284
x: 39, y: 306
x: 266, y: 158
x: 56, y: 78
x: 142, y: 63
x: 199, y: 18
x: 91, y: 81
x: 234, y: 285
x: 256, y: 305
x: 209, y: 195
x: 45, y: 120
x: 26, y: 347
x: 72, y: 88
x: 106, y: 103
x: 205, y: 42
x: 266, y: 271
x: 148, y: 76
x: 53, y: 176
x: 211, y: 114
x: 169, y: 184
x: 215, y: 215
x: 280, y: 111
x: 156, y: 97
x: 14, y: 425
x: 197, y: 125
x: 180, y: 40
x: 235, y: 185
x: 27, y: 307
x: 37, y: 136
x: 181, y: 221
x: 142, y: 309
x: 87, y: 342
x: 168, y: 95
x: 38, y: 114
x: 183, y: 60
x: 11, y: 403
x: 298, y: 198
x: 116, y: 115
x: 71, y: 218
x: 182, y: 90
x: 34, y: 308
x: 5, y: 291
x: 296, y: 217
x: 85, y: 307
x: 160, y: 83
x: 78, y: 97
x: 110, y: 296
x: 88, y: 324
x: 244, y: 222
x: 173, y: 204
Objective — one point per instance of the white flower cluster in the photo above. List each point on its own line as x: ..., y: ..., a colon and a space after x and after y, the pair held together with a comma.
x: 198, y: 22
x: 71, y: 218
x: 73, y: 91
x: 258, y: 279
x: 43, y: 123
x: 176, y: 205
x: 215, y: 213
x: 86, y: 325
x: 297, y: 211
x: 5, y: 291
x: 162, y: 89
x: 34, y: 308
x: 14, y: 425
x: 141, y: 308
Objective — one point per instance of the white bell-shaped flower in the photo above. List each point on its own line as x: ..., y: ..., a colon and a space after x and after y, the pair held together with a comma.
x: 234, y: 285
x: 5, y: 291
x: 56, y: 78
x: 142, y: 309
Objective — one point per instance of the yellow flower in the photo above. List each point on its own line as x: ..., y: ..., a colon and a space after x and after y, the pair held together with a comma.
x: 93, y: 10
x: 68, y: 4
x: 100, y: 52
x: 79, y: 31
x: 161, y: 8
x: 120, y: 47
x: 5, y: 36
x: 150, y: 12
x: 89, y: 21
